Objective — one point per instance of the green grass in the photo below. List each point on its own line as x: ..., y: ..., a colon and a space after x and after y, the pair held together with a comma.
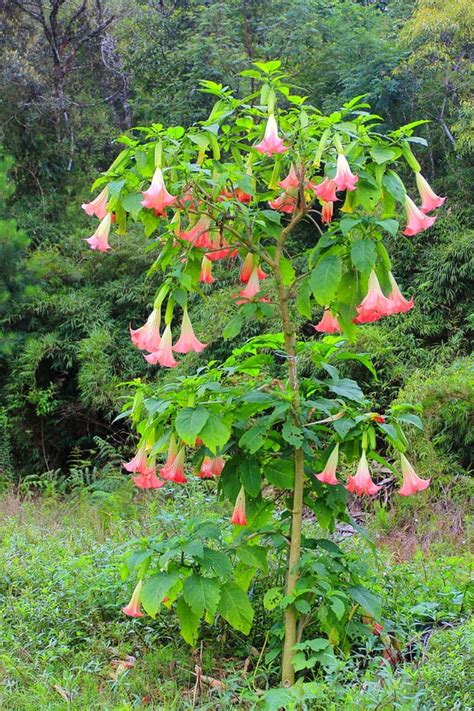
x: 62, y: 633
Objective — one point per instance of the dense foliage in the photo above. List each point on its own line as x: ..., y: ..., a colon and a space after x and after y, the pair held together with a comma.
x: 125, y: 63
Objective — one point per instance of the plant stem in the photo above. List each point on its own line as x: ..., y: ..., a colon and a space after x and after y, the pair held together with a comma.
x: 289, y: 333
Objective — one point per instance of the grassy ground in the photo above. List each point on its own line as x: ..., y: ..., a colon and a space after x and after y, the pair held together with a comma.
x: 65, y: 643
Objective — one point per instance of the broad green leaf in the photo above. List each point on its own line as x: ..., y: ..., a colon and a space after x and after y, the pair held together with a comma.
x: 303, y: 606
x: 394, y: 435
x: 325, y: 279
x: 235, y: 608
x: 190, y: 422
x: 303, y: 299
x: 132, y: 203
x: 369, y: 602
x: 367, y: 195
x: 155, y: 589
x: 292, y: 434
x: 393, y: 184
x: 188, y: 621
x: 194, y: 548
x: 254, y: 556
x: 287, y: 271
x: 338, y: 607
x: 202, y: 594
x: 363, y: 253
x: 348, y: 389
x: 268, y: 67
x: 389, y: 225
x: 233, y: 327
x: 217, y: 561
x: 411, y: 419
x: 280, y: 473
x: 383, y: 154
x: 253, y: 438
x: 249, y: 472
x: 272, y: 598
x: 215, y: 433
x: 348, y: 223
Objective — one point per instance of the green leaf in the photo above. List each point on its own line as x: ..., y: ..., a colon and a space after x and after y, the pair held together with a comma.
x: 215, y: 433
x: 217, y: 561
x: 363, y: 253
x: 303, y: 299
x: 382, y: 154
x: 338, y: 607
x: 235, y: 608
x: 394, y: 435
x: 188, y: 621
x: 155, y: 589
x: 272, y: 598
x: 287, y: 271
x: 367, y: 195
x: 369, y: 602
x: 250, y: 476
x: 411, y: 420
x: 280, y: 473
x: 254, y: 556
x: 233, y: 327
x: 132, y: 203
x: 268, y: 67
x: 394, y: 186
x: 325, y: 279
x: 194, y: 548
x: 253, y: 438
x: 348, y: 389
x: 348, y: 223
x: 389, y: 225
x: 190, y: 422
x: 202, y: 594
x: 303, y: 606
x: 292, y: 434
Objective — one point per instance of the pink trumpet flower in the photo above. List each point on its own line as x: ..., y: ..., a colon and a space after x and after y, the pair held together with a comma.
x: 375, y: 304
x: 187, y: 341
x: 411, y: 481
x: 327, y: 212
x: 271, y: 142
x: 99, y: 239
x: 239, y: 517
x: 211, y: 467
x: 175, y: 470
x: 164, y: 353
x: 399, y: 303
x: 133, y: 609
x: 248, y: 267
x: 362, y: 482
x: 284, y: 203
x: 429, y: 200
x: 344, y: 179
x: 148, y: 481
x: 328, y: 323
x: 97, y: 207
x: 417, y: 221
x: 328, y: 475
x: 139, y: 464
x: 157, y: 197
x: 205, y: 276
x: 198, y: 235
x: 325, y: 190
x: 220, y: 248
x: 147, y: 337
x: 237, y: 194
x: 291, y: 181
x: 252, y: 288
